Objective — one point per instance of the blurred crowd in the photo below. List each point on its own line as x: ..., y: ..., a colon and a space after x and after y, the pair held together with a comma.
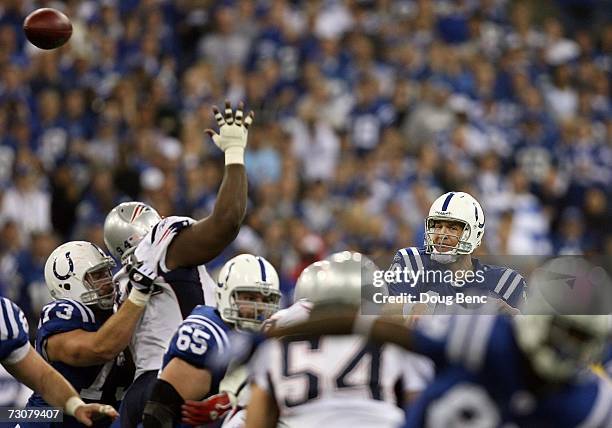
x: 366, y: 111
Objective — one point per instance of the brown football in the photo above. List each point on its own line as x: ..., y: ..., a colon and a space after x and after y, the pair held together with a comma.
x: 47, y: 28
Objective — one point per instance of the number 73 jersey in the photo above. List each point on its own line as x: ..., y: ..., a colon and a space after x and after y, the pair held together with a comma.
x: 340, y: 381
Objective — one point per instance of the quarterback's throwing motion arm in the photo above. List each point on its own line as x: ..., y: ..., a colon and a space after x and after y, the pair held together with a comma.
x: 204, y: 240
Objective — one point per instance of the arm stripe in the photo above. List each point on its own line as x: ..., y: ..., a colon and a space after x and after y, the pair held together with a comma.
x: 406, y: 258
x: 512, y: 286
x: 502, y: 281
x: 478, y: 341
x: 417, y: 257
x: 12, y: 320
x: 601, y: 412
x: 3, y: 328
x: 457, y: 337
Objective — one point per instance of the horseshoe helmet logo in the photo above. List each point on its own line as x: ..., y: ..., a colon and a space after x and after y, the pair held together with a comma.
x: 70, y: 268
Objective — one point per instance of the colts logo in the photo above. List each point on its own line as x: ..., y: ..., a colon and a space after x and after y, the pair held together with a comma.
x: 70, y: 268
x: 480, y: 225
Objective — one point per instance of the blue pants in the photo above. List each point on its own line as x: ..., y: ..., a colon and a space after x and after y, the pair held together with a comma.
x: 134, y: 400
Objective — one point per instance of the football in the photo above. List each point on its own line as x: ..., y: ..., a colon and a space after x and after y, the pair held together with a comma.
x: 47, y: 28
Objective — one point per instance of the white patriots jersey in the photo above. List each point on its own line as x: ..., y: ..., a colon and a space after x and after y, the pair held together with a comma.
x: 181, y: 291
x: 236, y: 380
x: 339, y: 381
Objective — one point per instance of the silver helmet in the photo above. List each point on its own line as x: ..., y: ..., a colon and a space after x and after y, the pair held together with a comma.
x: 126, y: 225
x: 340, y: 279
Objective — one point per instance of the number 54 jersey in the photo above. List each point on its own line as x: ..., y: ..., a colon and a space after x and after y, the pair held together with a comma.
x: 340, y: 381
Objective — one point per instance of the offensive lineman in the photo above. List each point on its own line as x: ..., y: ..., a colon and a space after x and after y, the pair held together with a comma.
x: 444, y: 271
x: 78, y: 333
x: 171, y: 252
x: 332, y: 381
x: 22, y: 361
x: 247, y: 294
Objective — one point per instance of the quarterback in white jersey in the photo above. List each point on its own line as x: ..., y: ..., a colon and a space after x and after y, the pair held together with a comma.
x: 341, y: 381
x: 170, y: 253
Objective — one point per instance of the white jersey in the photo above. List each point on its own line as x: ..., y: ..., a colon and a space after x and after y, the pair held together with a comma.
x: 236, y: 382
x: 339, y: 381
x: 181, y: 290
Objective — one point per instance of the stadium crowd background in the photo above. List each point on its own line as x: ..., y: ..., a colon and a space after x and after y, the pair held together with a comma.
x: 365, y: 112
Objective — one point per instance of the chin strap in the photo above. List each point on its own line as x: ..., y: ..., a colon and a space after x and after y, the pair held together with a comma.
x: 444, y: 258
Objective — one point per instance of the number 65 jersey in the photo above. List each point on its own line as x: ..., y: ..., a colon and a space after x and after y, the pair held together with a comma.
x: 339, y: 381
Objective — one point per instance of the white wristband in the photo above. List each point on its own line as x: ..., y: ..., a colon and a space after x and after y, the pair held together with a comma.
x: 234, y: 155
x: 139, y: 298
x: 363, y: 324
x: 72, y: 404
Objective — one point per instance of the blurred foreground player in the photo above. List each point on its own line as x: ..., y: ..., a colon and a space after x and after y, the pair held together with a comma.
x: 78, y: 334
x: 494, y: 371
x: 343, y: 381
x: 22, y: 361
x: 248, y: 294
x: 445, y: 267
x: 171, y: 252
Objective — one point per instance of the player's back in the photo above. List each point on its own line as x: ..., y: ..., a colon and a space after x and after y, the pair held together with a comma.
x: 483, y: 379
x: 340, y: 381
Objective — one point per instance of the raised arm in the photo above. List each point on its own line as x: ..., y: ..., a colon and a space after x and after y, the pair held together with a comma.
x: 205, y: 239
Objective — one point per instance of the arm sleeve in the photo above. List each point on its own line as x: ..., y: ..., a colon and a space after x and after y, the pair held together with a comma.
x: 464, y: 340
x: 516, y: 297
x: 14, y: 345
x: 259, y: 367
x: 418, y: 371
x: 62, y: 316
x: 511, y: 287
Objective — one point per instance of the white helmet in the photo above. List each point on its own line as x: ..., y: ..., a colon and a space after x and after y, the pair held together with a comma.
x: 338, y: 279
x: 81, y: 271
x: 126, y: 225
x: 247, y: 273
x: 461, y: 207
x: 559, y: 346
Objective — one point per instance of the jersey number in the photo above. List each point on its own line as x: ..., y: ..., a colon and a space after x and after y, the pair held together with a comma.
x: 195, y: 340
x: 463, y: 405
x: 64, y: 311
x: 342, y: 379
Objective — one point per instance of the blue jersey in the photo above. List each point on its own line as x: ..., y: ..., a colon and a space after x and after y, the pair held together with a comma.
x: 607, y: 360
x: 102, y: 383
x: 426, y: 276
x: 482, y: 379
x: 202, y: 336
x: 14, y: 344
